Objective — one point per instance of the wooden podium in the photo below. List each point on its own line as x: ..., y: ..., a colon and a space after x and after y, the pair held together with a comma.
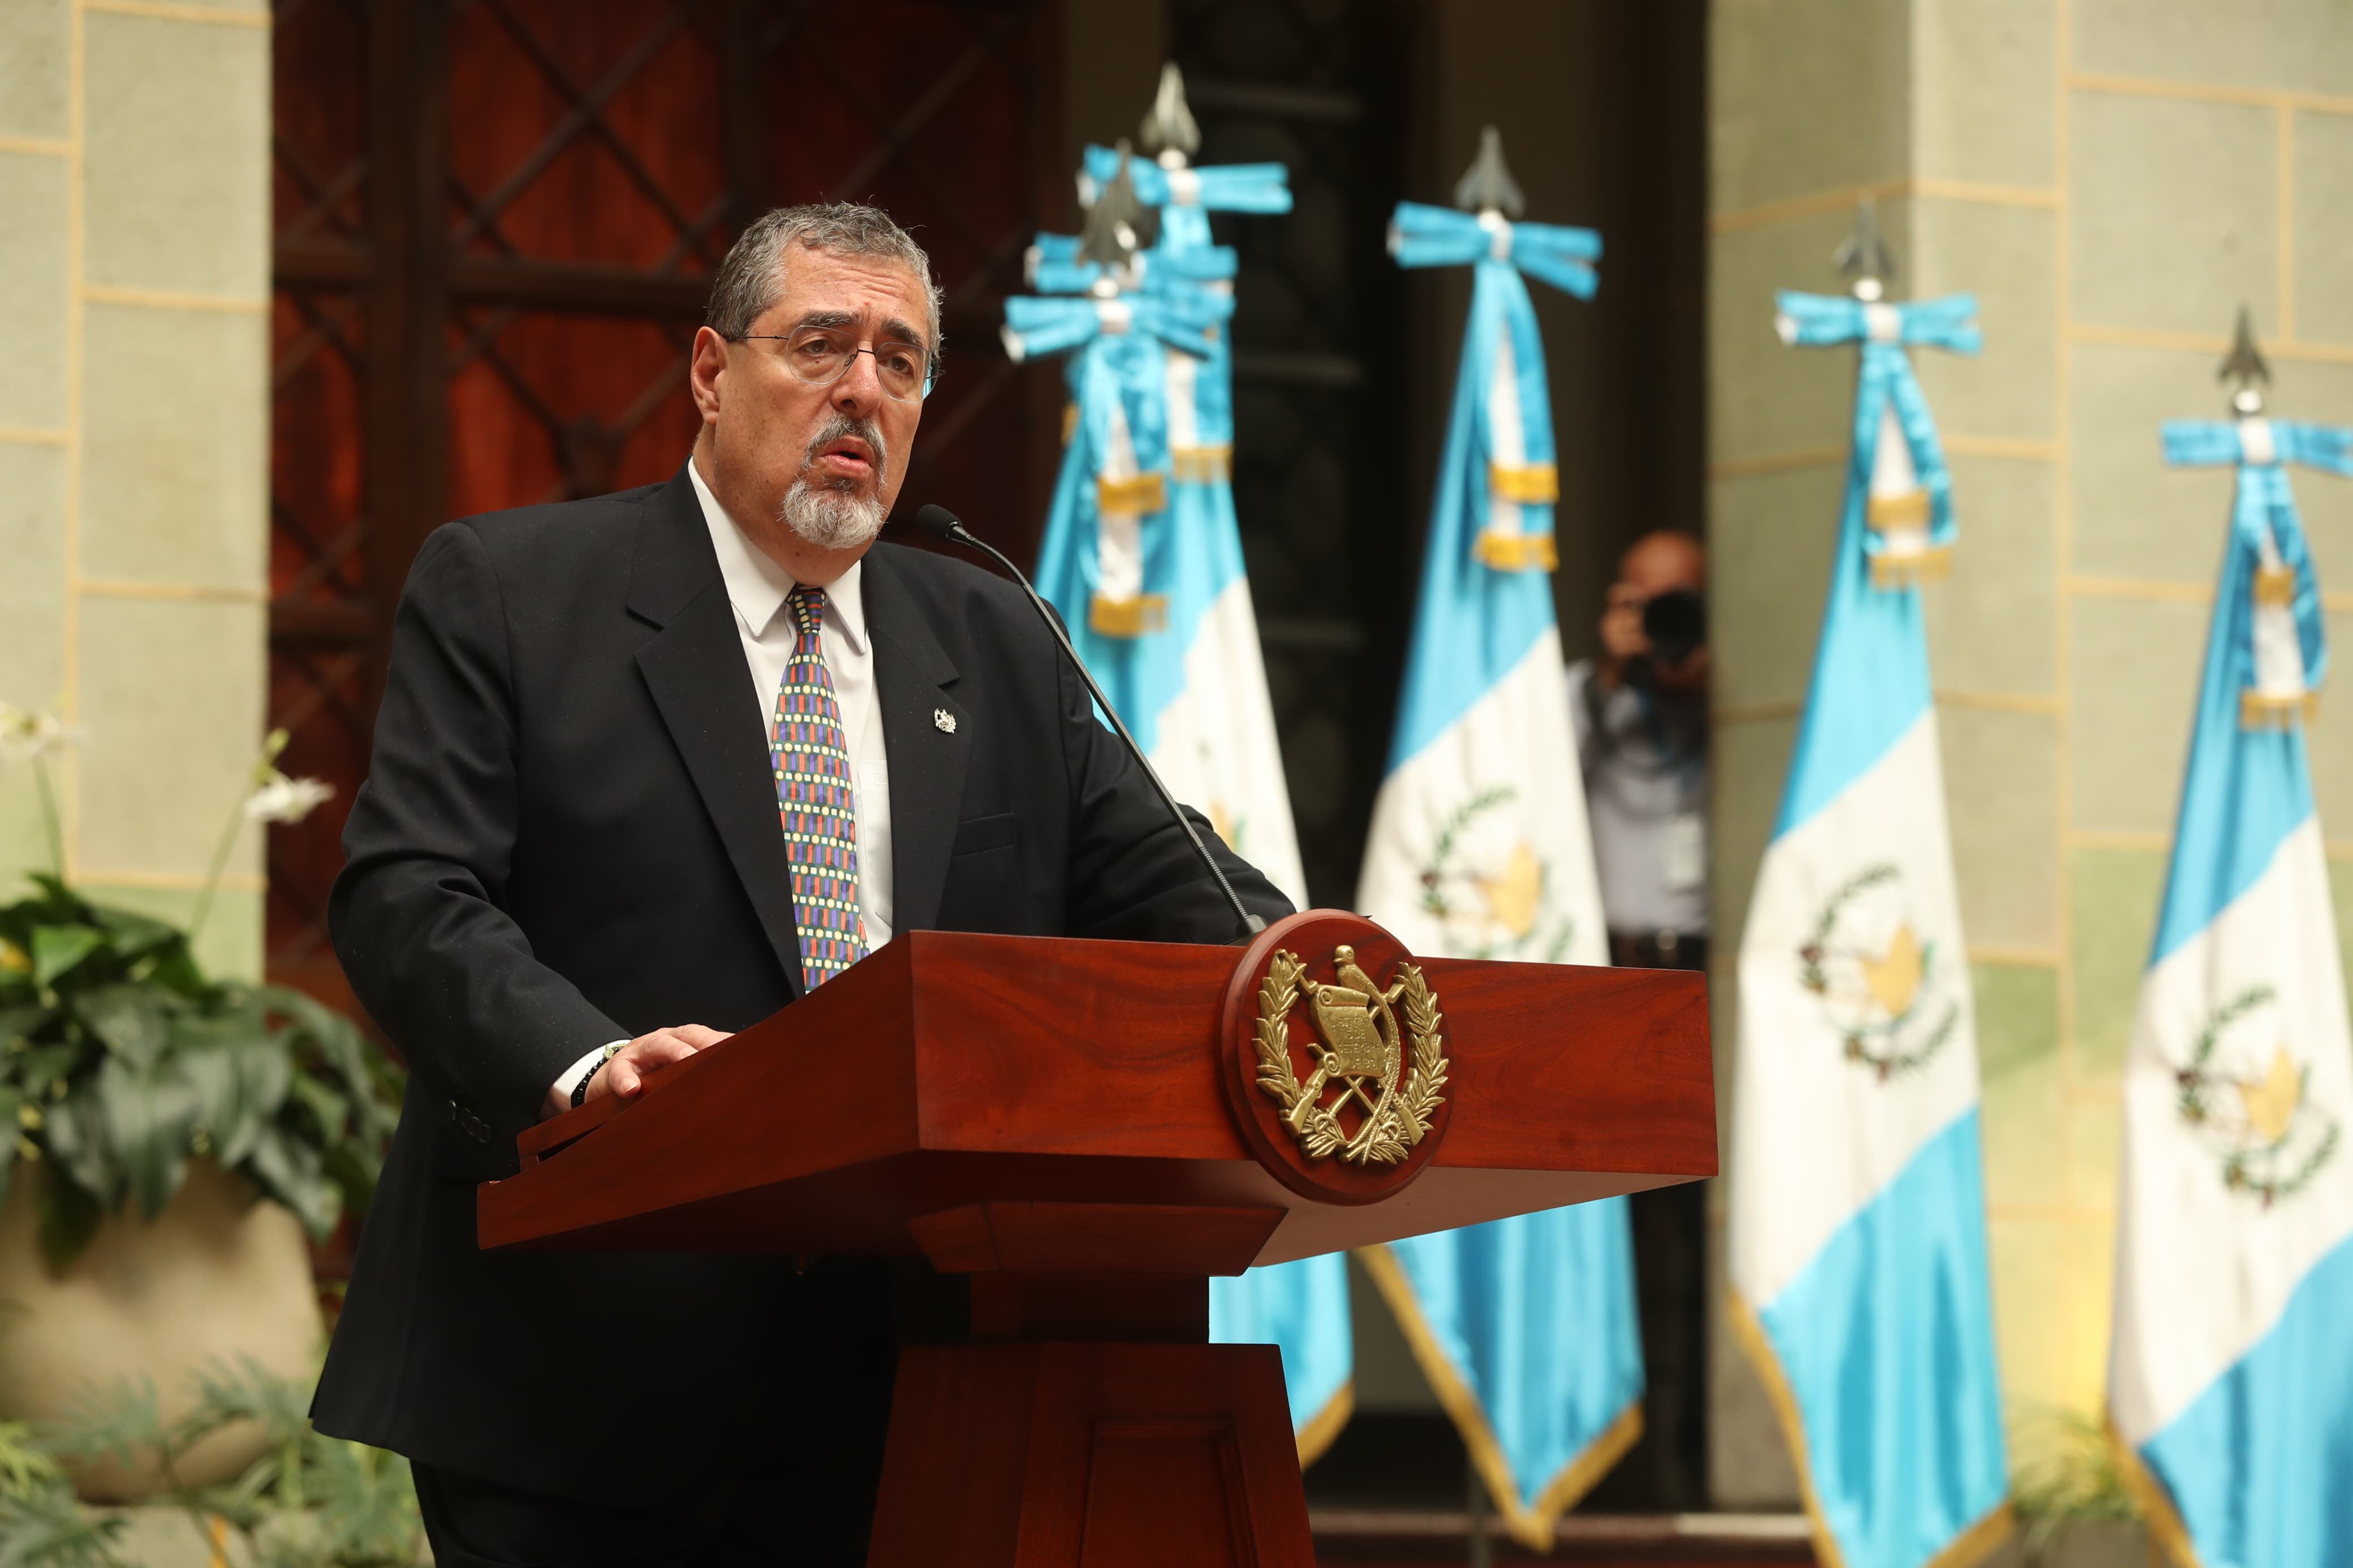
x: 1080, y: 1127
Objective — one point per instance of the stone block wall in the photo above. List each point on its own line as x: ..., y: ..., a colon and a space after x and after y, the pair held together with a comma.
x: 134, y: 281
x: 2113, y: 179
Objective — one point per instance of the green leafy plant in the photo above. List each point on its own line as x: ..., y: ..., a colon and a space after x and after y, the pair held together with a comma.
x: 309, y: 1501
x: 40, y: 1520
x: 2071, y: 1477
x: 121, y: 1060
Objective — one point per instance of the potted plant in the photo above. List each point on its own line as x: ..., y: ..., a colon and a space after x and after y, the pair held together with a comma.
x: 308, y: 1501
x: 176, y: 1135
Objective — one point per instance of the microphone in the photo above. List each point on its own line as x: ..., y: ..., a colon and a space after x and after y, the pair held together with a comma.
x: 941, y: 523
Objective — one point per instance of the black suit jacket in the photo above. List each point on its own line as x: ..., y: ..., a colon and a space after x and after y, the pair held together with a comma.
x: 569, y: 836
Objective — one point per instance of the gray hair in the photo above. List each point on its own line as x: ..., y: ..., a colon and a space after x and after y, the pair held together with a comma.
x: 749, y: 280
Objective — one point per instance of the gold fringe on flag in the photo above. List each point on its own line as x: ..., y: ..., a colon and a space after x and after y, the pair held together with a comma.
x: 1534, y: 484
x: 1134, y: 617
x: 2258, y: 711
x: 1140, y: 495
x: 1325, y: 1425
x: 1516, y: 552
x: 1904, y: 561
x: 1202, y: 465
x: 1971, y: 1546
x: 1912, y: 568
x: 2166, y: 1530
x: 1530, y: 1522
x: 1069, y: 422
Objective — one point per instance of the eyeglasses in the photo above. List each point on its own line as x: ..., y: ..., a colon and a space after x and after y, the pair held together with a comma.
x: 822, y: 356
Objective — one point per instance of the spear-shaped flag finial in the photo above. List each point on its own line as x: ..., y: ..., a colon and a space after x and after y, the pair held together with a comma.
x: 1169, y: 131
x: 1118, y: 225
x: 2245, y: 365
x: 1487, y: 186
x: 1864, y: 257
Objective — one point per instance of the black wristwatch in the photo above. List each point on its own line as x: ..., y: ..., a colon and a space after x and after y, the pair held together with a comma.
x: 580, y: 1089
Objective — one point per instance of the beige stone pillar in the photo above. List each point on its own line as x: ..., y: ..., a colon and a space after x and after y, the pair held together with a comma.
x: 135, y: 287
x: 2112, y: 178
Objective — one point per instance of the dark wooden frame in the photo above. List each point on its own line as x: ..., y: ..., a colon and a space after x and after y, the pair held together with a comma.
x: 387, y: 291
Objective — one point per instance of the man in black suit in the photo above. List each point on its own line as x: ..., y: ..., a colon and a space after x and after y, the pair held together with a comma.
x: 648, y: 768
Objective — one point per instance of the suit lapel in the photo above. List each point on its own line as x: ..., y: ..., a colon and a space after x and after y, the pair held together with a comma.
x: 911, y: 676
x: 694, y: 667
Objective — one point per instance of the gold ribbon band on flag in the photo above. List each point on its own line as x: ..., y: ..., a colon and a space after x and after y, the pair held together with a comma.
x: 1531, y: 1522
x: 1909, y: 510
x: 2275, y: 584
x: 2260, y: 711
x: 1534, y: 484
x: 1134, y: 617
x: 1516, y: 552
x: 1906, y: 559
x: 1202, y: 465
x: 1141, y: 494
x: 1909, y: 568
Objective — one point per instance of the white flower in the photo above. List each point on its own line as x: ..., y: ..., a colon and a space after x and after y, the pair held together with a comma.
x: 24, y: 736
x: 281, y: 799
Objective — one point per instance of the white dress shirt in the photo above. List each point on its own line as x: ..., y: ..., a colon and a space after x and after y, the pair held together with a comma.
x: 757, y: 587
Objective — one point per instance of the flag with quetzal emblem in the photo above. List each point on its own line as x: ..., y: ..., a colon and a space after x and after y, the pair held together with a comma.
x: 1528, y: 1328
x: 1858, y: 1226
x: 1479, y: 846
x: 2230, y: 1369
x: 1178, y: 648
x: 1189, y: 678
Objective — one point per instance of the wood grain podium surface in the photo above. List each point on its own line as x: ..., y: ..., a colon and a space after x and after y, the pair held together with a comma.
x: 950, y: 1068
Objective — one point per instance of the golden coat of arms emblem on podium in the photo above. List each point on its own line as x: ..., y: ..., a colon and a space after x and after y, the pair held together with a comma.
x: 1378, y: 1058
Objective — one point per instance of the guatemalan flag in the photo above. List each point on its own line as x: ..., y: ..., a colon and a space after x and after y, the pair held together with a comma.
x: 1196, y: 669
x: 1526, y: 1328
x: 2230, y: 1374
x: 1188, y: 672
x: 1858, y: 1232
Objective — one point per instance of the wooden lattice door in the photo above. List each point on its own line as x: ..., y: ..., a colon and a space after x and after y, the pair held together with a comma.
x: 496, y: 222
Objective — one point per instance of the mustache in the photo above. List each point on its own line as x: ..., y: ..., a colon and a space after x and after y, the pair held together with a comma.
x: 844, y: 425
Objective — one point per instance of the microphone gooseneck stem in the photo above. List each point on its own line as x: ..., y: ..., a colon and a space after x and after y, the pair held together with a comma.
x: 965, y: 536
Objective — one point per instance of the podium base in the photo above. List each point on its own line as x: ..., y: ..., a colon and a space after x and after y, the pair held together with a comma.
x: 1075, y: 1454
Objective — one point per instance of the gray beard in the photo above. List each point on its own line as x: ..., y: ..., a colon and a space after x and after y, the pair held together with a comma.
x: 831, y: 519
x: 833, y: 516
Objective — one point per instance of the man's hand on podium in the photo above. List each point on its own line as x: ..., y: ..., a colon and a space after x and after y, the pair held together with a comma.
x: 624, y: 1073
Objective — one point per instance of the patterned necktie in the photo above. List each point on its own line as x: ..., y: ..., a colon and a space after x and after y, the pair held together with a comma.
x: 816, y: 801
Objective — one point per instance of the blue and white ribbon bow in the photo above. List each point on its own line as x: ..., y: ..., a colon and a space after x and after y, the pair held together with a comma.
x: 2277, y: 641
x: 1052, y: 266
x: 1422, y: 236
x: 1117, y: 472
x: 1499, y: 474
x: 1182, y: 320
x: 1186, y: 196
x: 1897, y: 465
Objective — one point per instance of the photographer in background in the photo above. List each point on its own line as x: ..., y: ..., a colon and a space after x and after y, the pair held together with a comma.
x: 1642, y: 735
